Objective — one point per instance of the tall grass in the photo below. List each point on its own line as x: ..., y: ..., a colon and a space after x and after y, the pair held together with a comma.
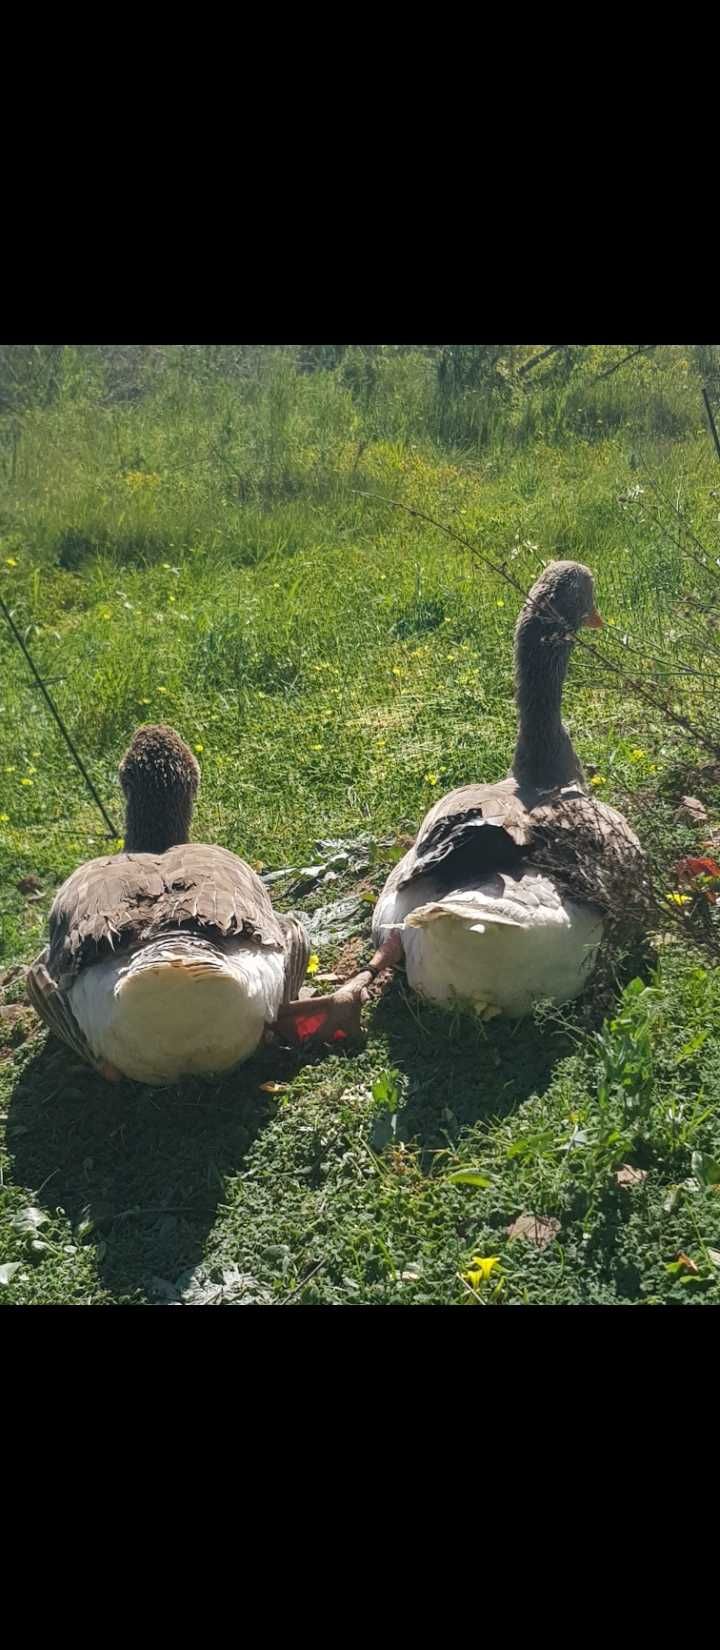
x: 214, y: 552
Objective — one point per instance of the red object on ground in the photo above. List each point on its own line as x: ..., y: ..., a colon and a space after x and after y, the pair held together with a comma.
x: 696, y: 865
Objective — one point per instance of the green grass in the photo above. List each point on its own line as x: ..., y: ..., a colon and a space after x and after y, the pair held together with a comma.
x: 209, y: 556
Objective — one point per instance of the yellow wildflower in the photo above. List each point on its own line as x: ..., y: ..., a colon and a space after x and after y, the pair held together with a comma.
x: 637, y: 756
x: 199, y: 748
x: 598, y: 779
x: 313, y: 963
x: 678, y: 899
x: 4, y: 819
x: 432, y: 778
x: 10, y: 561
x: 480, y: 1269
x: 26, y: 781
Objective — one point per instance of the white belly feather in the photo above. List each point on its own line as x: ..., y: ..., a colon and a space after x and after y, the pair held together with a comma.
x: 179, y: 1006
x: 500, y: 946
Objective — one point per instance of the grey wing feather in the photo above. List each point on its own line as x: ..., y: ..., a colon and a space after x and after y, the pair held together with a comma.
x: 110, y: 904
x: 490, y: 822
x: 53, y: 1007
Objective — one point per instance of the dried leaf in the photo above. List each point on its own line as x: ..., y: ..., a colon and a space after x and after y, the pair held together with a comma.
x: 714, y: 1256
x: 7, y: 1272
x: 687, y: 1263
x: 274, y: 1088
x: 690, y: 808
x: 536, y: 1228
x: 626, y: 1175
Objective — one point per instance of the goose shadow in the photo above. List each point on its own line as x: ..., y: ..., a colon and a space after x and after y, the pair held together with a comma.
x: 461, y: 1070
x: 138, y: 1171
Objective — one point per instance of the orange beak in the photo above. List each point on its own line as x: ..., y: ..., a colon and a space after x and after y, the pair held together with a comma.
x: 594, y: 620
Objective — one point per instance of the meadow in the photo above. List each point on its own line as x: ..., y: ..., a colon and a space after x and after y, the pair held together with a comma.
x: 225, y: 542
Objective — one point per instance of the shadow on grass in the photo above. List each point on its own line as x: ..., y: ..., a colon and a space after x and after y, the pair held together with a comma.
x: 459, y: 1070
x: 463, y: 1071
x: 146, y: 1167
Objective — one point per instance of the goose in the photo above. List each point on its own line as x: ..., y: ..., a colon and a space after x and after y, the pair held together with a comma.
x: 166, y: 960
x: 507, y: 892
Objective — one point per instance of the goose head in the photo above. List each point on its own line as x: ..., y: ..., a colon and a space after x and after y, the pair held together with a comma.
x: 563, y: 596
x: 559, y: 604
x: 160, y: 777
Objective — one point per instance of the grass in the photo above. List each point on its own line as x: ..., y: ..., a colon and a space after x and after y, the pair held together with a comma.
x: 210, y: 555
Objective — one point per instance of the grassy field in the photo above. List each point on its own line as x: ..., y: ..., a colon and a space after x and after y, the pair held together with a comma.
x: 217, y: 552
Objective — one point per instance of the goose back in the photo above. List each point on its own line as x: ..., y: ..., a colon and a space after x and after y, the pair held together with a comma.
x: 112, y: 904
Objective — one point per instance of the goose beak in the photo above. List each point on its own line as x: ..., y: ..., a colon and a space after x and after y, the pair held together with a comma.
x: 594, y: 620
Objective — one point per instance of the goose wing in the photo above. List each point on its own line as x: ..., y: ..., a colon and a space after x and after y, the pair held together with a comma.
x: 110, y: 904
x: 593, y: 854
x: 585, y: 845
x: 483, y: 827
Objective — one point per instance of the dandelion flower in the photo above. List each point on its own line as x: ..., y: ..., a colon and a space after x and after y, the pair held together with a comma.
x: 313, y: 963
x: 480, y: 1269
x: 199, y: 748
x: 10, y: 561
x: 678, y: 899
x: 598, y: 779
x: 432, y: 778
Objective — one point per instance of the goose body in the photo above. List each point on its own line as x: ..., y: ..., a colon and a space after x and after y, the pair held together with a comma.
x: 166, y: 964
x: 504, y: 896
x: 179, y: 1006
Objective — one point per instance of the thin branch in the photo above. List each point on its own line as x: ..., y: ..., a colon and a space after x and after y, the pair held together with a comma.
x: 535, y: 360
x: 587, y: 647
x: 641, y: 350
x: 300, y: 1286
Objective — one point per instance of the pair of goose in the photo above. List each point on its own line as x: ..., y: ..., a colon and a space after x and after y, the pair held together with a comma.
x: 168, y: 959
